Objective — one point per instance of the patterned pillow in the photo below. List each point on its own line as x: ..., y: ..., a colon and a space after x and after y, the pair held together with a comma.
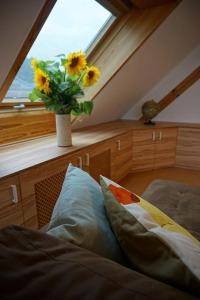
x: 154, y: 244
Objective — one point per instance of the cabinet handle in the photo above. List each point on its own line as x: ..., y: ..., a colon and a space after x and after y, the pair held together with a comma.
x: 153, y: 136
x: 118, y: 145
x: 87, y: 159
x: 80, y: 162
x: 14, y: 193
x: 160, y: 135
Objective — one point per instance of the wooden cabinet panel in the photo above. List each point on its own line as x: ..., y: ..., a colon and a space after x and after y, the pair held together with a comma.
x: 165, y: 147
x: 10, y: 202
x: 96, y: 160
x: 143, y: 150
x: 154, y: 148
x: 100, y: 165
x: 121, y: 156
x: 188, y: 148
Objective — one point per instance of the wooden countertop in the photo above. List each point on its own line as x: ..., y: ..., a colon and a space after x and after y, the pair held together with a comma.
x: 20, y: 156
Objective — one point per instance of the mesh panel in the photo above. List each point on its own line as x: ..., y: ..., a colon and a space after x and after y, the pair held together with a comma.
x: 46, y: 193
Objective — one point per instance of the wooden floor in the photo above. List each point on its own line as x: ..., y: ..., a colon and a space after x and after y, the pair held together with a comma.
x: 138, y: 182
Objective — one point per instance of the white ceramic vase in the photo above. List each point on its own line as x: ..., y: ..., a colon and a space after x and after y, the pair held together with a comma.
x: 63, y: 130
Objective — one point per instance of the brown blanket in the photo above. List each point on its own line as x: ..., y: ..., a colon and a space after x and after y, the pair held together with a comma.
x: 179, y: 201
x: 34, y: 265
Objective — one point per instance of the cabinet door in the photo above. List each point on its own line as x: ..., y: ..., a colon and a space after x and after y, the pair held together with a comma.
x: 10, y: 202
x: 188, y: 148
x: 165, y: 147
x: 121, y: 156
x: 40, y: 188
x: 143, y: 149
x: 97, y: 160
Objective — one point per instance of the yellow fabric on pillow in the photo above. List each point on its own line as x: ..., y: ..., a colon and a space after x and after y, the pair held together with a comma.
x: 164, y: 221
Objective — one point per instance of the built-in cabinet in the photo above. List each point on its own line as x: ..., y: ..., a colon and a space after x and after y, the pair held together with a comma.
x: 28, y: 198
x: 41, y: 185
x: 154, y: 148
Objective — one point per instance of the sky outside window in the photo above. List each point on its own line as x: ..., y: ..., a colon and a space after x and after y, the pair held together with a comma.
x: 71, y: 26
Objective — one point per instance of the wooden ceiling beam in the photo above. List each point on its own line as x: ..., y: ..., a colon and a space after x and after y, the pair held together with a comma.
x: 180, y: 88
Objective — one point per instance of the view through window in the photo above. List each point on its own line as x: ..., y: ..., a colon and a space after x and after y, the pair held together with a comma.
x: 71, y: 26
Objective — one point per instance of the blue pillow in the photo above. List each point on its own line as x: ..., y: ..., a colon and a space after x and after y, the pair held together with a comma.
x: 79, y: 216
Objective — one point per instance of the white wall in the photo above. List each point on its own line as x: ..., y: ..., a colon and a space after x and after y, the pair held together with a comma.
x: 175, y: 38
x: 186, y: 108
x: 16, y: 19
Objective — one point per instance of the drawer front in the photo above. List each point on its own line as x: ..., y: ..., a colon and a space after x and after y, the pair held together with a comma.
x: 143, y: 137
x: 122, y: 143
x: 10, y: 202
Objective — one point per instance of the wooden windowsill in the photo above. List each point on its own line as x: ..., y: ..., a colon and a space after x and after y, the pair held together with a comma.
x: 18, y: 111
x: 18, y: 157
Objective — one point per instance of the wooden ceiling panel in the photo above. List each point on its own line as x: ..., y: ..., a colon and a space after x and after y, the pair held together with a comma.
x: 117, y: 7
x: 149, y: 3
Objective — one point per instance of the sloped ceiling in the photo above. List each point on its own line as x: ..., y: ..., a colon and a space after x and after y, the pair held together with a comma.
x: 163, y: 50
x: 17, y: 16
x: 186, y: 107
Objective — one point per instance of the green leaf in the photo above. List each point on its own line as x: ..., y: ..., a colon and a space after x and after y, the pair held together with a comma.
x: 87, y: 107
x: 75, y: 113
x: 49, y: 62
x: 40, y: 94
x: 53, y: 67
x: 41, y: 65
x: 61, y: 55
x: 63, y: 86
x: 74, y: 88
x: 72, y: 78
x: 63, y: 61
x: 33, y: 96
x: 55, y: 107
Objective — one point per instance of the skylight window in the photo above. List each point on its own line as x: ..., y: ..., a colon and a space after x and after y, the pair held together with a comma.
x: 71, y: 26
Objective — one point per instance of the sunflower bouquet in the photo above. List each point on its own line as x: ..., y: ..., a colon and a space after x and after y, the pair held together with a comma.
x: 60, y: 84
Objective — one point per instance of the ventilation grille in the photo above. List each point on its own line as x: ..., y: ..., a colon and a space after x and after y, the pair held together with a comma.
x: 46, y: 193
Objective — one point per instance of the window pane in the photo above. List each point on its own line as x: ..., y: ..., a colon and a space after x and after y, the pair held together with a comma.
x: 71, y: 26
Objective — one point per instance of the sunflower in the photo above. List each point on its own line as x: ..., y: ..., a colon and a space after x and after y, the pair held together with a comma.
x: 91, y: 76
x: 76, y: 62
x: 42, y: 81
x: 34, y: 63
